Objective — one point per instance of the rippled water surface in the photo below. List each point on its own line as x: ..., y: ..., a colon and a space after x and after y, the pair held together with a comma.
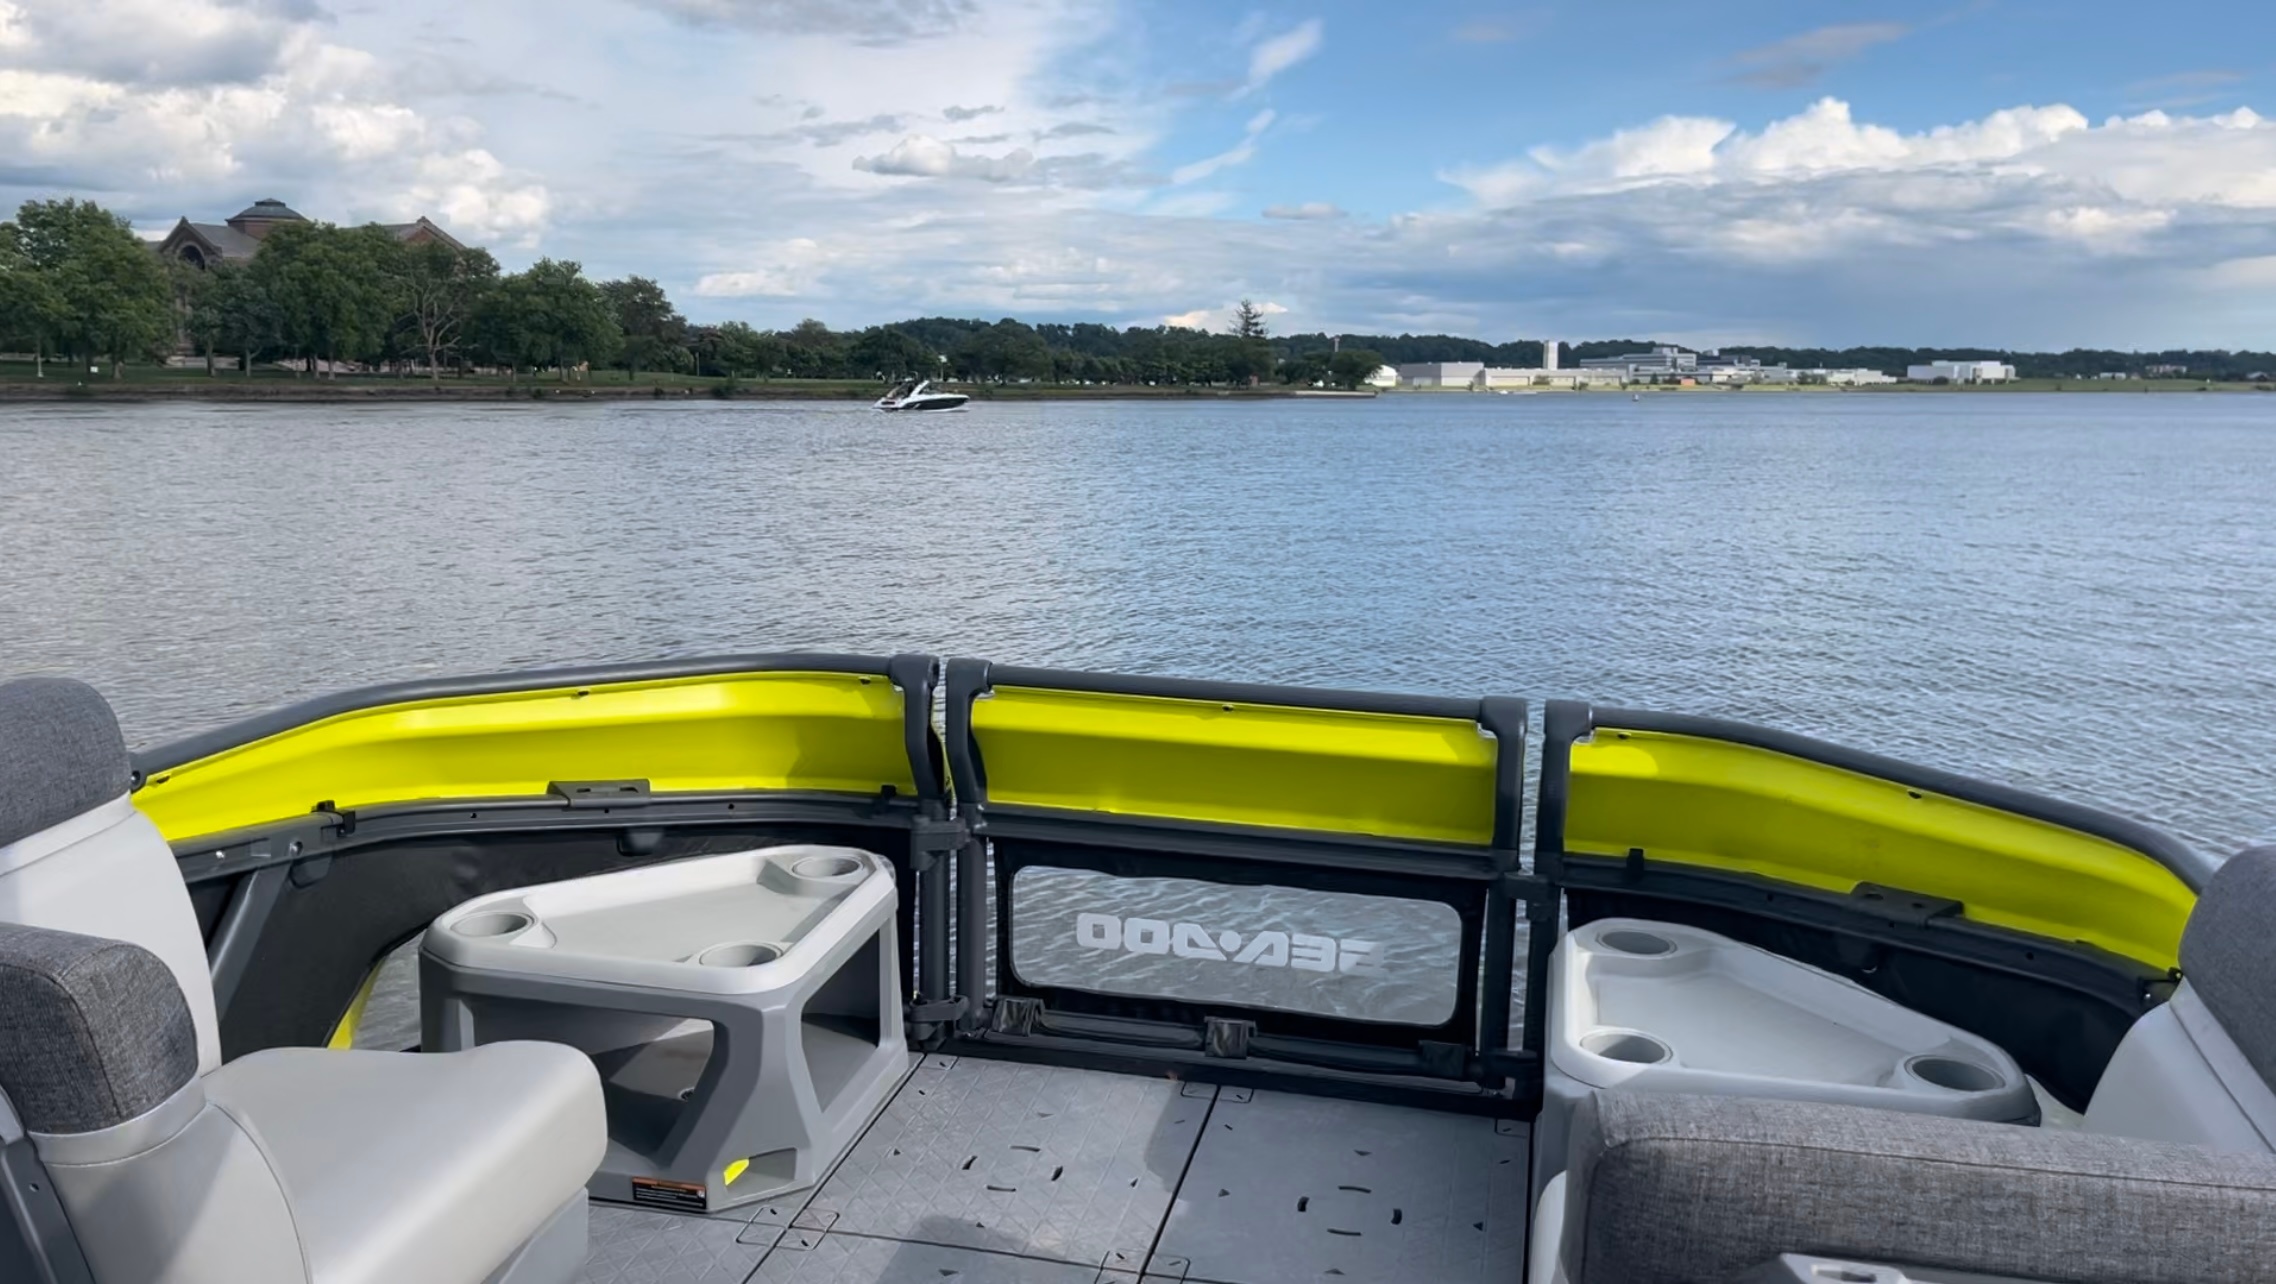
x: 2075, y: 594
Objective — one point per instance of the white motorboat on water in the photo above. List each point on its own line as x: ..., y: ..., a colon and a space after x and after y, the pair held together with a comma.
x: 919, y: 394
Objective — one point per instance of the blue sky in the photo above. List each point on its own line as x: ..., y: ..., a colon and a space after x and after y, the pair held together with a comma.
x: 2000, y: 173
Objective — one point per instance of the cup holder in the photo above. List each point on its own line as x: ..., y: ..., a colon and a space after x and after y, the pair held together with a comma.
x: 825, y: 867
x: 738, y: 954
x: 1628, y: 940
x: 1628, y: 1046
x: 1952, y: 1073
x: 493, y: 923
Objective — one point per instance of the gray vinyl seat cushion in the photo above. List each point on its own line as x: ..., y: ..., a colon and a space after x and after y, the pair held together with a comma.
x: 2228, y: 956
x: 404, y: 1166
x: 1667, y: 1189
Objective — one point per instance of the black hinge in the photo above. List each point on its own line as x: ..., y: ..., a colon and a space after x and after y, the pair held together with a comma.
x: 1899, y: 906
x: 935, y: 1011
x: 343, y: 819
x: 582, y: 794
x: 1223, y: 1037
x: 930, y: 840
x: 1015, y: 1015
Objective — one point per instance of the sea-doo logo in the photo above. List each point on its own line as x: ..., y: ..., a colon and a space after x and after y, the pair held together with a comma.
x: 1299, y: 950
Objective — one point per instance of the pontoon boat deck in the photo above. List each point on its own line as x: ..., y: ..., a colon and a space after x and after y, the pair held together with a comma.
x: 1075, y: 977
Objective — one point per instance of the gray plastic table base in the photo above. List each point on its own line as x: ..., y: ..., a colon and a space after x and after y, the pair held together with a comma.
x: 786, y: 1080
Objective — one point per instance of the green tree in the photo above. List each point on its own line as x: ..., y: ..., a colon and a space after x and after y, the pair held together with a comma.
x: 109, y: 292
x: 655, y: 334
x: 439, y: 290
x: 549, y: 317
x: 811, y: 350
x: 247, y: 319
x: 1249, y: 357
x: 736, y: 350
x: 334, y: 289
x: 197, y: 317
x: 889, y: 352
x: 1006, y: 350
x: 1352, y: 367
x: 31, y: 312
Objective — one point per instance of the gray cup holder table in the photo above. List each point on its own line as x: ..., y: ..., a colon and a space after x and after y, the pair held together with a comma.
x: 744, y: 1010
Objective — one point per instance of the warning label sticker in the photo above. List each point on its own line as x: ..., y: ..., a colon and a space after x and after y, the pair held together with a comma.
x: 679, y: 1196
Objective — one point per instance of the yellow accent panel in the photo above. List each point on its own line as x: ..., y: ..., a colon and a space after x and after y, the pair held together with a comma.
x: 344, y: 1034
x: 1699, y: 801
x: 1388, y: 775
x: 736, y: 1169
x: 802, y: 731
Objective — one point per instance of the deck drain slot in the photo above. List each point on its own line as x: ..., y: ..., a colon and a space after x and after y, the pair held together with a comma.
x: 1360, y: 1190
x: 1303, y: 1203
x: 1398, y: 1215
x: 1333, y: 1230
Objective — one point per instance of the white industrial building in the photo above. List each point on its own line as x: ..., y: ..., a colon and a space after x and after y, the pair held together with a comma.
x: 1961, y: 372
x: 1857, y: 378
x: 1384, y: 377
x: 1644, y: 367
x: 1441, y: 374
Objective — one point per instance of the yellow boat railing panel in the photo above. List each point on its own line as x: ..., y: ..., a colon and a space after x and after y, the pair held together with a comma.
x: 785, y: 730
x: 1326, y: 770
x: 1718, y: 804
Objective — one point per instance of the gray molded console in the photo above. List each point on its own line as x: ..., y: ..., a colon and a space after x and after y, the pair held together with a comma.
x: 1658, y: 1007
x: 744, y: 1010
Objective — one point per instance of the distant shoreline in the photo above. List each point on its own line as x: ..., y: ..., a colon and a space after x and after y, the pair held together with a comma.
x: 192, y: 386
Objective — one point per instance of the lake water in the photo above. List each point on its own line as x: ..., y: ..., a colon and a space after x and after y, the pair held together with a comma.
x: 2074, y: 594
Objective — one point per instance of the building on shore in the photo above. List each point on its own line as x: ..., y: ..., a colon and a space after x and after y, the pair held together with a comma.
x: 1661, y: 363
x: 238, y: 238
x: 1384, y: 377
x: 1857, y: 378
x: 1440, y: 374
x: 1960, y: 372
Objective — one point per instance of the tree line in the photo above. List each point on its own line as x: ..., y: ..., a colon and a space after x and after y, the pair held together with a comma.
x: 77, y: 283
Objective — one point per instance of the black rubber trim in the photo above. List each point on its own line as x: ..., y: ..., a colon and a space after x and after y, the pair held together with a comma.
x: 2189, y: 865
x: 898, y: 669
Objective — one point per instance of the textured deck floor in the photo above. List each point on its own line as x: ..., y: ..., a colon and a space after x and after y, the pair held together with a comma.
x: 981, y: 1171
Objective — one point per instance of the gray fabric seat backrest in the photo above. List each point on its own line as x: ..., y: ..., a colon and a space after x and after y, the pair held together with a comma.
x: 2228, y: 952
x: 1670, y: 1189
x: 93, y: 1032
x: 61, y: 754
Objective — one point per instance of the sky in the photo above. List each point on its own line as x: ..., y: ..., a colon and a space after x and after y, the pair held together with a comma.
x: 2007, y: 173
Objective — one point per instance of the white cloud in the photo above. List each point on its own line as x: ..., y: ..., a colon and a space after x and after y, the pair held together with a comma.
x: 1240, y: 153
x: 867, y: 21
x: 2041, y: 170
x: 795, y: 268
x: 199, y: 103
x: 922, y: 156
x: 1309, y: 210
x: 1220, y: 318
x: 1277, y: 54
x: 1801, y: 60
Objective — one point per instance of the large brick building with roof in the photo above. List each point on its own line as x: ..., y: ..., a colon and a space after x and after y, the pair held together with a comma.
x: 238, y: 238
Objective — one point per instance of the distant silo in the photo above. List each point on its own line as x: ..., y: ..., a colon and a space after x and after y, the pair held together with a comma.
x: 1548, y: 354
